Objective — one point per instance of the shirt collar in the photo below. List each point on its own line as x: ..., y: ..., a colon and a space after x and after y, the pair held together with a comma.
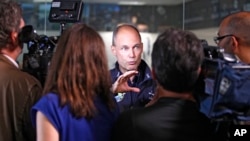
x: 12, y: 60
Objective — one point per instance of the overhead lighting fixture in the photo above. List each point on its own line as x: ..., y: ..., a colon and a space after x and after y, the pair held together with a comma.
x: 42, y: 1
x: 131, y: 3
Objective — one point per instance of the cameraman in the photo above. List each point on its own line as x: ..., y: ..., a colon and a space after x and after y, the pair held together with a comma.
x: 18, y: 90
x: 233, y: 35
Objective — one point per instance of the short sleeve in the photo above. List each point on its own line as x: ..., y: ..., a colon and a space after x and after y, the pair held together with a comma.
x: 49, y: 105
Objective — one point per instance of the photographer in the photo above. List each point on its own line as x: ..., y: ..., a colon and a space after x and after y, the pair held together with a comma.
x: 233, y: 35
x: 18, y: 90
x: 226, y: 96
x: 235, y: 41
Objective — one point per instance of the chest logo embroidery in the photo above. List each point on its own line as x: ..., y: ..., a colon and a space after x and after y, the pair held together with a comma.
x: 119, y: 97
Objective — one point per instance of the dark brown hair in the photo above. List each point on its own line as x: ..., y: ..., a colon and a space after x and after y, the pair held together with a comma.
x: 10, y: 19
x: 176, y: 58
x: 78, y: 72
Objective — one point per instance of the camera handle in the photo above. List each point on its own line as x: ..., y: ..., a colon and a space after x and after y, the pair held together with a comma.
x: 62, y: 27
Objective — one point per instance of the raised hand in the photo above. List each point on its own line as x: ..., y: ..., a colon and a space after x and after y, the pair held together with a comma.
x: 121, y: 84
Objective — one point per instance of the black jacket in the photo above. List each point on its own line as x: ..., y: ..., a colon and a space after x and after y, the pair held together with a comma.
x: 169, y: 119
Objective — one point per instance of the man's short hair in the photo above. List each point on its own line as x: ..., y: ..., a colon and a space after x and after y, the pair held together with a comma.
x: 176, y: 58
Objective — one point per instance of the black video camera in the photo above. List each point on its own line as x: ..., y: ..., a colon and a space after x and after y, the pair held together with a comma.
x: 40, y: 51
x: 41, y: 47
x: 37, y: 44
x: 223, y: 86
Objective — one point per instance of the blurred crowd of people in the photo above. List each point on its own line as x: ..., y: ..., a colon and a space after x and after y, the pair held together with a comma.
x: 83, y: 100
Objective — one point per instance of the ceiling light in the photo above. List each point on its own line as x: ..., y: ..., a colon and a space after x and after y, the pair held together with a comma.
x: 131, y: 3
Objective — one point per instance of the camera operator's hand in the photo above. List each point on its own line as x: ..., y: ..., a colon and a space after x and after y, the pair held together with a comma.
x: 121, y: 84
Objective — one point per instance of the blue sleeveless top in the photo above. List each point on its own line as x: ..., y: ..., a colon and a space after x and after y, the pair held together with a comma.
x: 71, y: 128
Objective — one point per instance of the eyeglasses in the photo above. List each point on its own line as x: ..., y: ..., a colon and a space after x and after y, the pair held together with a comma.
x: 217, y: 39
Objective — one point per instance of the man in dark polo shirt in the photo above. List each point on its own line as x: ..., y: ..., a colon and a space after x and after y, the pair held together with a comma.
x: 133, y: 85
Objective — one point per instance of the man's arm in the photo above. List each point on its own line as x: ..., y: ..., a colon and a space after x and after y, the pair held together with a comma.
x: 45, y: 130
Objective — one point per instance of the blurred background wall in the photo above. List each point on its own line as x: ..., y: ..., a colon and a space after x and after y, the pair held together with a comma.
x: 150, y: 16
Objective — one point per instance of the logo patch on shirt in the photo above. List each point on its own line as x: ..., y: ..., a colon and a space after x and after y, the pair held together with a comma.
x: 151, y: 95
x: 119, y: 97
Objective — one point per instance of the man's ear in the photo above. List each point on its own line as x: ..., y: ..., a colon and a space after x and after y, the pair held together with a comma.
x: 14, y: 38
x: 113, y: 49
x: 235, y: 44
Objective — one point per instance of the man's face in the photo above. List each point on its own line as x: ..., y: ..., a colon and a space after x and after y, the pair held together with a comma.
x: 128, y: 49
x: 226, y: 39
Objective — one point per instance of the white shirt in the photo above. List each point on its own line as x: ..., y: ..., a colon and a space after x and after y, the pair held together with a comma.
x: 12, y: 60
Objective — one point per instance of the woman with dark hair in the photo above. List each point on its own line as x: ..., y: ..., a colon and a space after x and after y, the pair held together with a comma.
x: 77, y: 104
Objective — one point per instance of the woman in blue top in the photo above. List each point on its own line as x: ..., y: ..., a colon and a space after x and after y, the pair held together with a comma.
x: 77, y: 105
